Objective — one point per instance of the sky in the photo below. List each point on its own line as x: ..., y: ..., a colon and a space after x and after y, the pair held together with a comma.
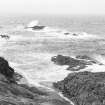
x: 52, y: 7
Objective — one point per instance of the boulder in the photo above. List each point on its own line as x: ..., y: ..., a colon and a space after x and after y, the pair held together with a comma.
x: 75, y: 34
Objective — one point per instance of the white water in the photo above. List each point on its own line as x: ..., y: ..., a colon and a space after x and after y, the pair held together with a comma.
x: 33, y: 23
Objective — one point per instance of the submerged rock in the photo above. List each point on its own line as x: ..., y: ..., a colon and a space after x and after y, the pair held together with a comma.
x: 73, y: 63
x: 84, y: 88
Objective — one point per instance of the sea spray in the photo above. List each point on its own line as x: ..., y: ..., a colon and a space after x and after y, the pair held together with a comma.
x: 33, y: 23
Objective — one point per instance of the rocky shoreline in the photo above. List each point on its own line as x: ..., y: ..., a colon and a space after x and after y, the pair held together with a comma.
x: 82, y: 87
x: 78, y: 88
x: 74, y: 63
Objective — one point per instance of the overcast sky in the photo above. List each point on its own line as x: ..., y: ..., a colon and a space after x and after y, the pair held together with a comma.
x: 52, y: 6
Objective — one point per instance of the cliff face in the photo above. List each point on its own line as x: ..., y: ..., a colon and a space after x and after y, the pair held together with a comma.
x: 84, y: 88
x: 12, y: 93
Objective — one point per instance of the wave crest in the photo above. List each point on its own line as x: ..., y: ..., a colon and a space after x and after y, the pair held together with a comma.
x: 33, y: 23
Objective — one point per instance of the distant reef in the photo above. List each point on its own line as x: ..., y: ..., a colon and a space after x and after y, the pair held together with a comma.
x: 83, y: 88
x: 5, y: 36
x: 74, y: 64
x: 14, y: 93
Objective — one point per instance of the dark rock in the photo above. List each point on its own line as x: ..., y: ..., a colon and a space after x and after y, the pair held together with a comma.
x: 66, y: 33
x: 38, y: 27
x: 5, y: 69
x: 85, y: 57
x: 73, y: 63
x: 89, y: 59
x: 63, y: 60
x: 74, y: 34
x: 84, y: 88
x: 5, y: 36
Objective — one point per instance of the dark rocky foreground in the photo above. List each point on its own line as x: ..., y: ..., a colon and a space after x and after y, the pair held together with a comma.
x: 13, y: 93
x: 84, y: 88
x: 74, y: 64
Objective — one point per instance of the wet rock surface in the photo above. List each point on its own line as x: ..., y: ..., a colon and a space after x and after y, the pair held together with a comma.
x: 84, y: 88
x: 74, y: 64
x: 6, y: 70
x: 13, y: 93
x: 38, y: 27
x: 4, y: 36
x: 66, y: 33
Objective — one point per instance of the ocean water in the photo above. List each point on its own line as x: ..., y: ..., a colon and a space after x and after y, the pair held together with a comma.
x: 29, y: 52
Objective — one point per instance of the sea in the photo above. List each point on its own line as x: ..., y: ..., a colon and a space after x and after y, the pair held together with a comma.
x: 29, y: 51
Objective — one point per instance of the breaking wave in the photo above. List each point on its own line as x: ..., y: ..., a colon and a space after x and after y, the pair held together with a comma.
x: 33, y: 23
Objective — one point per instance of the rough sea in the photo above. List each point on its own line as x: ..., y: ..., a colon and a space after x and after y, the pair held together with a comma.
x: 29, y: 52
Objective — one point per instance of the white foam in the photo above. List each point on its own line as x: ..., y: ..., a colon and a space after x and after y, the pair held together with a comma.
x: 33, y: 23
x: 99, y: 58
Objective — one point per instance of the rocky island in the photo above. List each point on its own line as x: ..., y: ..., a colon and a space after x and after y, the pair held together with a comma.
x: 74, y: 64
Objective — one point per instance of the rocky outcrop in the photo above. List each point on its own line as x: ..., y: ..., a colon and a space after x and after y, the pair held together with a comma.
x: 38, y: 27
x: 6, y: 70
x: 75, y: 64
x: 84, y: 88
x: 4, y: 36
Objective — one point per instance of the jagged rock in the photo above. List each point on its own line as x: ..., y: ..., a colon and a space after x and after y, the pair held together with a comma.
x: 87, y: 58
x: 5, y: 36
x: 66, y: 33
x: 83, y: 57
x: 73, y: 63
x: 38, y: 27
x: 84, y: 88
x: 8, y: 72
x: 5, y: 69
